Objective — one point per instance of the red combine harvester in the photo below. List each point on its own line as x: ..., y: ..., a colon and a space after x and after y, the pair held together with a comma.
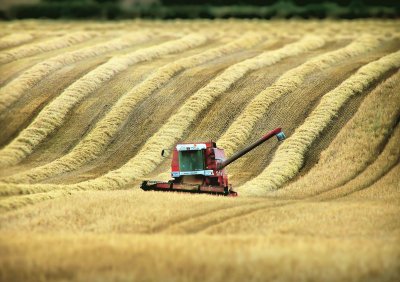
x: 200, y: 167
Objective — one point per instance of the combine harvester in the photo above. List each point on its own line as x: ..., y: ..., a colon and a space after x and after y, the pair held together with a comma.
x: 200, y: 167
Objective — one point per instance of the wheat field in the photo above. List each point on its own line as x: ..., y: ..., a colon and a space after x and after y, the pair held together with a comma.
x: 87, y: 107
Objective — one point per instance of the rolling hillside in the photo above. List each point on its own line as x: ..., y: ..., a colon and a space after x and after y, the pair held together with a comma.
x: 87, y: 107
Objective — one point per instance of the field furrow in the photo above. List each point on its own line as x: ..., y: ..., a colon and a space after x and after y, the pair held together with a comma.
x: 85, y: 113
x: 146, y: 118
x: 96, y: 105
x: 211, y: 124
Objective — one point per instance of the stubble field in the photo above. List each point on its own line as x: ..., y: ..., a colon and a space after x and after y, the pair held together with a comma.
x: 86, y: 108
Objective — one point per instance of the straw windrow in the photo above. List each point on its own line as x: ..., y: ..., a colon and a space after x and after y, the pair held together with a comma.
x: 15, y: 39
x: 44, y: 46
x: 102, y: 134
x: 54, y: 114
x: 239, y: 132
x: 16, y: 88
x: 289, y: 157
x: 357, y: 143
x: 148, y: 157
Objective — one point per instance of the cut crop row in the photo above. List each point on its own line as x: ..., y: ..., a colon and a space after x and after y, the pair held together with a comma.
x: 53, y: 115
x: 15, y: 39
x: 356, y: 145
x: 240, y: 130
x: 16, y: 88
x: 44, y: 46
x: 148, y: 157
x: 289, y: 157
x: 103, y: 133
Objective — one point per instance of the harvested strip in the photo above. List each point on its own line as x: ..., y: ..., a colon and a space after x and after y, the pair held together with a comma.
x: 288, y: 158
x: 16, y: 88
x: 45, y: 46
x: 54, y: 114
x: 148, y: 157
x: 15, y: 39
x: 240, y: 130
x: 356, y: 145
x: 99, y: 138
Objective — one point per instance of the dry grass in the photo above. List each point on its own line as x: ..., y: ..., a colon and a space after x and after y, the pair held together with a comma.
x: 148, y: 158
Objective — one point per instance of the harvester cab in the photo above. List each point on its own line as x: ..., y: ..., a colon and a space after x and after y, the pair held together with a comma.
x: 200, y: 167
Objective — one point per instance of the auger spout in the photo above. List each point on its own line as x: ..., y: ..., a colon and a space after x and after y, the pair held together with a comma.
x: 276, y: 132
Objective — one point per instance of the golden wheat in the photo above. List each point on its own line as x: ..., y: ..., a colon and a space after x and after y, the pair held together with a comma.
x: 17, y: 87
x: 54, y: 114
x: 288, y: 158
x: 79, y: 255
x: 44, y: 46
x: 240, y: 130
x: 389, y: 158
x: 15, y: 202
x: 385, y: 188
x: 102, y: 134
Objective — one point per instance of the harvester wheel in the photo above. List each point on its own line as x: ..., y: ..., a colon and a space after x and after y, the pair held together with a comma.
x: 226, y: 191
